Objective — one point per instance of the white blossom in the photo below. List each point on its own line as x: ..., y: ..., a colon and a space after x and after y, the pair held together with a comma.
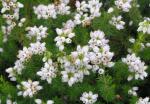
x: 23, y: 56
x: 135, y: 66
x: 1, y: 50
x: 110, y: 10
x: 29, y: 88
x: 100, y: 51
x: 86, y: 11
x: 10, y: 12
x: 64, y: 36
x: 147, y: 44
x: 117, y: 22
x: 37, y: 32
x: 89, y: 98
x: 76, y: 65
x: 143, y: 101
x: 130, y: 23
x: 133, y: 91
x: 144, y: 26
x: 52, y: 10
x: 93, y: 56
x: 39, y: 101
x: 124, y: 5
x: 132, y: 40
x: 48, y: 72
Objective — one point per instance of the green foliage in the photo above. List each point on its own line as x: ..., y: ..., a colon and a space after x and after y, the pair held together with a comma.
x: 8, y: 89
x: 106, y: 88
x: 82, y: 35
x: 120, y: 72
x: 144, y: 54
x: 112, y: 87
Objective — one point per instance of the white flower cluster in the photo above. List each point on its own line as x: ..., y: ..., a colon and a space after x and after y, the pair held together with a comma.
x: 1, y: 50
x: 99, y: 54
x: 144, y: 26
x: 48, y: 72
x: 93, y: 57
x: 76, y: 66
x: 89, y: 98
x: 147, y: 44
x: 65, y: 34
x: 29, y: 88
x: 37, y: 32
x: 39, y: 101
x: 10, y: 11
x: 52, y: 10
x: 35, y: 48
x: 143, y: 101
x: 86, y: 11
x: 117, y: 22
x: 125, y: 5
x: 23, y: 56
x: 136, y: 66
x: 133, y: 91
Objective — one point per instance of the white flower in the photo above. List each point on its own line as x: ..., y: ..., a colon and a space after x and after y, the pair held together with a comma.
x: 100, y: 50
x: 20, y: 24
x: 51, y: 11
x: 135, y: 66
x: 63, y: 9
x: 101, y: 71
x: 10, y: 12
x: 133, y: 91
x: 64, y: 36
x: 23, y: 56
x: 45, y: 12
x: 12, y: 74
x: 37, y: 48
x: 144, y: 26
x: 50, y: 102
x: 39, y: 101
x: 125, y: 5
x: 38, y: 32
x: 29, y: 88
x: 110, y: 10
x: 86, y: 11
x: 94, y: 6
x: 76, y: 65
x: 132, y: 40
x: 89, y: 98
x: 70, y: 76
x: 130, y: 23
x: 69, y: 24
x: 48, y: 72
x: 117, y: 22
x: 143, y: 101
x: 148, y: 44
x: 1, y: 50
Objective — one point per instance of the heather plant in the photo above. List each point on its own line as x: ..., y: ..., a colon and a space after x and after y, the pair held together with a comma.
x: 74, y: 51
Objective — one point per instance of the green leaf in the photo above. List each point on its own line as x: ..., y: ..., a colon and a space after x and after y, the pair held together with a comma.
x: 106, y: 88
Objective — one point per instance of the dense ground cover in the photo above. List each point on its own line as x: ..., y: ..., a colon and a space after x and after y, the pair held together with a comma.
x: 74, y: 52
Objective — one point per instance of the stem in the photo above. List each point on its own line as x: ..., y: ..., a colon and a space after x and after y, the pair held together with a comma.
x: 137, y: 45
